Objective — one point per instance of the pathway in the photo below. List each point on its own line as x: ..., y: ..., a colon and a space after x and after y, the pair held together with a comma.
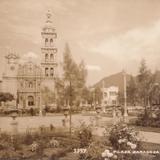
x: 56, y: 120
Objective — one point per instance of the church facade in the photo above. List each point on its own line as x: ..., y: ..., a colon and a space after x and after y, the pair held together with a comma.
x: 25, y: 80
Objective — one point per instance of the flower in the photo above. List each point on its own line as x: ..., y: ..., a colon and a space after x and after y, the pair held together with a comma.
x: 122, y: 140
x: 129, y: 143
x: 104, y: 154
x: 109, y: 155
x: 115, y: 157
x: 34, y: 146
x: 133, y: 146
x: 106, y: 151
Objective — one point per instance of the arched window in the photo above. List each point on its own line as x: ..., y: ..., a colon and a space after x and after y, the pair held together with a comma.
x: 46, y: 72
x: 30, y: 101
x: 105, y: 94
x: 46, y: 57
x: 30, y: 85
x: 51, y: 42
x: 46, y: 41
x: 51, y: 72
x: 52, y: 57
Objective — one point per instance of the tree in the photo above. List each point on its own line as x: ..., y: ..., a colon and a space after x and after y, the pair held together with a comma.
x: 132, y: 91
x: 145, y: 81
x: 98, y: 95
x: 60, y: 94
x: 48, y: 96
x: 75, y: 76
x: 155, y: 95
x: 4, y: 97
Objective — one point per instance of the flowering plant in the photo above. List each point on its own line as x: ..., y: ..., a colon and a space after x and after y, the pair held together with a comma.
x: 84, y: 135
x: 108, y: 155
x: 123, y: 138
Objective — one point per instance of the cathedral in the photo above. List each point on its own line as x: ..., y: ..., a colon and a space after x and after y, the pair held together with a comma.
x: 25, y: 80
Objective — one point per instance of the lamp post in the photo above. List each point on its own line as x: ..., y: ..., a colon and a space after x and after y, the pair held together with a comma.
x: 14, y: 123
x: 125, y: 97
x: 98, y: 110
x: 70, y: 105
x: 65, y: 120
x: 70, y: 108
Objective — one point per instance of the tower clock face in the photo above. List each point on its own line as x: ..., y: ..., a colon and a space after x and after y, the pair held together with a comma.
x: 12, y: 68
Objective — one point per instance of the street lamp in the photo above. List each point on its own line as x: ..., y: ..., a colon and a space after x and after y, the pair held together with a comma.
x: 98, y: 110
x: 70, y: 104
x: 14, y: 123
x: 66, y: 112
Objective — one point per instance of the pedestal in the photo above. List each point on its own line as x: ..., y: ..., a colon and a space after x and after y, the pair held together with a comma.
x: 97, y: 118
x: 14, y: 125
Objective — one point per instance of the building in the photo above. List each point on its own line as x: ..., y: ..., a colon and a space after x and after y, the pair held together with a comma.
x: 25, y: 80
x: 29, y: 79
x: 9, y: 77
x: 49, y: 52
x: 110, y: 96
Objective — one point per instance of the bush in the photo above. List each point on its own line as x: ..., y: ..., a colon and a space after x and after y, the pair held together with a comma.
x: 123, y: 138
x: 84, y: 135
x: 94, y: 150
x: 149, y: 119
x: 16, y: 142
x: 28, y: 139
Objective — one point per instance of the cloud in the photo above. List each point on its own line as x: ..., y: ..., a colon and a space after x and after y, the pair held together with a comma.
x: 135, y: 41
x: 132, y: 45
x: 93, y: 67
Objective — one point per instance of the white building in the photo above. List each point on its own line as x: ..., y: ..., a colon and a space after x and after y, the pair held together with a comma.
x: 110, y: 96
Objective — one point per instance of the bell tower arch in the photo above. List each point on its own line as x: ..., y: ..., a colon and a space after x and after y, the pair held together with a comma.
x: 49, y: 50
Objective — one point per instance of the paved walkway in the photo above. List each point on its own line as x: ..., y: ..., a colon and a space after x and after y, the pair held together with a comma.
x: 151, y: 137
x: 56, y: 120
x: 36, y: 121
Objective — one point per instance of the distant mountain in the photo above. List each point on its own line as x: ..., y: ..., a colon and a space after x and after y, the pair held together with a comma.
x: 113, y: 80
x: 118, y: 80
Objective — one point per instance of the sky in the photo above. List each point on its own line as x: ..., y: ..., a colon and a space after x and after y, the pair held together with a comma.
x: 109, y: 35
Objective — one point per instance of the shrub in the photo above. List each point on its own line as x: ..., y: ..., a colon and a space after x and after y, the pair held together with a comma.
x: 28, y: 138
x: 40, y: 149
x: 16, y: 142
x: 123, y: 138
x: 148, y: 120
x: 84, y: 135
x: 94, y: 150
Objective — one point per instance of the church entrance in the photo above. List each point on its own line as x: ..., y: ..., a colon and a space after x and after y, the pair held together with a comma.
x: 30, y: 100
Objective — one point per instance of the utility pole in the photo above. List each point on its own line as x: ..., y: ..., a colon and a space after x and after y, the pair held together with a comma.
x: 125, y: 97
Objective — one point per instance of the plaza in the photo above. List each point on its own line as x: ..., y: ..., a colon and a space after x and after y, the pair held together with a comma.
x: 79, y: 80
x: 35, y: 122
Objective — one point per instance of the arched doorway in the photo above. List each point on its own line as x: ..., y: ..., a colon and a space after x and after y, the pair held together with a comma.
x: 30, y: 100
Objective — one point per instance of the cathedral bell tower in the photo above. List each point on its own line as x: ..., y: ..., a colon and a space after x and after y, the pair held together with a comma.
x: 49, y: 50
x: 11, y: 65
x: 9, y: 77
